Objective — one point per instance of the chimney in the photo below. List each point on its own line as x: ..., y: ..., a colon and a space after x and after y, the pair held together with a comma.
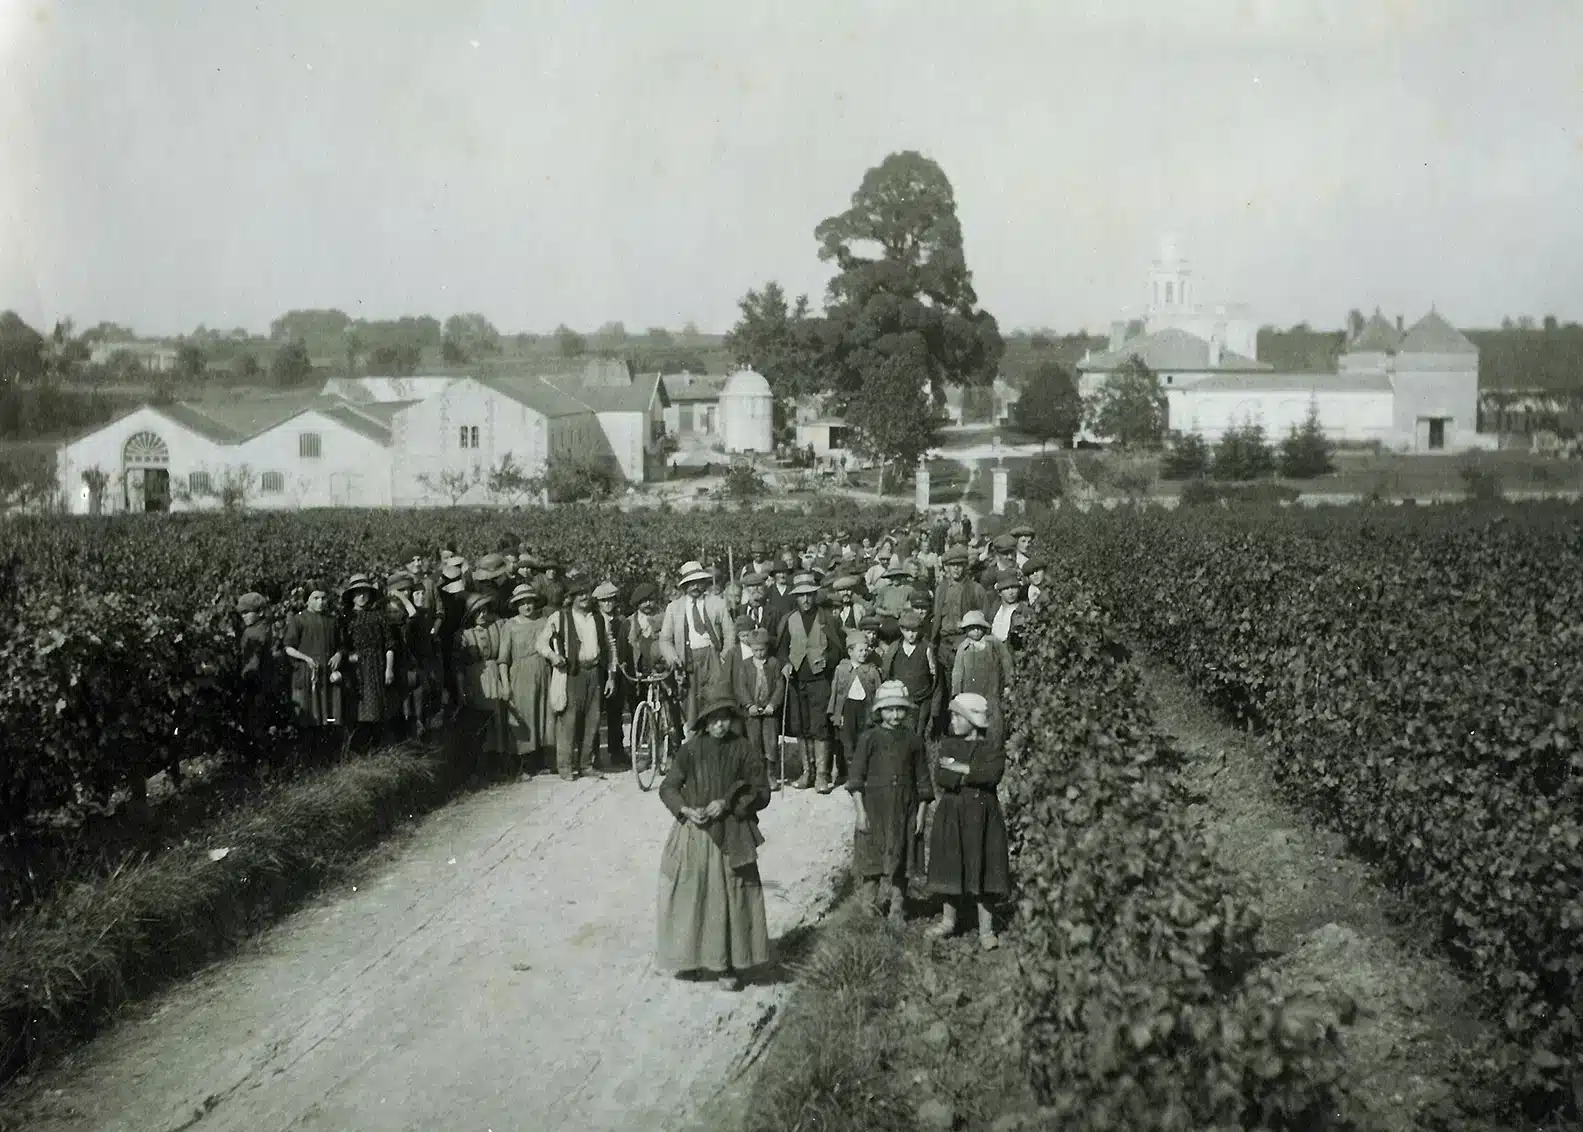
x: 1118, y: 334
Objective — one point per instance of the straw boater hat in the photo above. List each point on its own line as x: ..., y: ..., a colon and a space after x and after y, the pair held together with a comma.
x: 892, y: 693
x: 974, y: 617
x: 606, y: 591
x: 694, y: 572
x: 490, y: 567
x: 804, y: 584
x: 359, y: 582
x: 972, y: 707
x: 524, y: 594
x: 251, y: 602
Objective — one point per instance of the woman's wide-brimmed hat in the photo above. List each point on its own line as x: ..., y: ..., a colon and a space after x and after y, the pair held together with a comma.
x: 251, y: 602
x: 694, y: 572
x: 490, y: 567
x: 476, y: 604
x: 606, y: 591
x: 453, y: 576
x: 974, y: 619
x: 359, y: 582
x: 524, y: 594
x: 892, y: 693
x: 716, y: 704
x: 804, y: 584
x: 972, y: 707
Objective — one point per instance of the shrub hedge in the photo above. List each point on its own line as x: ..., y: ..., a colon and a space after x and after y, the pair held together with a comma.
x: 1143, y: 1006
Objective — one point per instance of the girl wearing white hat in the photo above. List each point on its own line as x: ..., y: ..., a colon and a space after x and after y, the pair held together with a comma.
x: 969, y: 857
x: 890, y: 787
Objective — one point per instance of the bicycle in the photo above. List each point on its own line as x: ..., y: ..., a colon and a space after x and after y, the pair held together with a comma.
x: 652, y: 730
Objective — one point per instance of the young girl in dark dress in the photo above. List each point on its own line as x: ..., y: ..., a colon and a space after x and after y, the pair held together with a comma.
x: 371, y: 657
x: 969, y: 859
x: 889, y: 785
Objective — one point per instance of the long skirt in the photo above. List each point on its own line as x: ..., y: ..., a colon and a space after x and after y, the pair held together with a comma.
x: 968, y: 851
x: 891, y: 848
x: 711, y: 917
x: 528, y: 707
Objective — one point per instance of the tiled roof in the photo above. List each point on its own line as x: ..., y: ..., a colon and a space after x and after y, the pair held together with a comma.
x: 537, y: 394
x: 359, y: 423
x: 1290, y: 383
x: 633, y: 397
x: 1434, y: 335
x: 695, y: 386
x: 1170, y: 351
x: 1378, y: 336
x: 190, y: 418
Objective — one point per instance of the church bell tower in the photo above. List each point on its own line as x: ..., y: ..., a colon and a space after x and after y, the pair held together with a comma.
x: 1170, y: 281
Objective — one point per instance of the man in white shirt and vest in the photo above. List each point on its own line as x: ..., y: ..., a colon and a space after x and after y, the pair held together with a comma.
x: 576, y: 643
x: 694, y: 635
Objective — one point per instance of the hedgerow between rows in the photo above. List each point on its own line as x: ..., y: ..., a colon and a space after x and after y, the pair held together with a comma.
x: 1143, y: 1004
x: 1419, y: 676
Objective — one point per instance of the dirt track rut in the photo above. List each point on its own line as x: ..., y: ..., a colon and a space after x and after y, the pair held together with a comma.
x: 494, y: 973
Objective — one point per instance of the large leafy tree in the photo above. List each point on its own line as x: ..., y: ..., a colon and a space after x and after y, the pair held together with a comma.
x: 901, y: 311
x: 469, y: 337
x: 779, y: 340
x: 291, y: 365
x: 22, y: 353
x: 1130, y: 408
x: 1049, y: 407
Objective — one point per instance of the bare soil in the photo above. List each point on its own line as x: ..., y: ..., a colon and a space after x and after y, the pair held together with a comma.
x: 1416, y: 1048
x: 489, y: 969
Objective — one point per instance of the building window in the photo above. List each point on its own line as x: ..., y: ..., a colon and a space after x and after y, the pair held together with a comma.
x: 1170, y: 293
x: 467, y: 436
x: 197, y: 481
x: 684, y: 419
x: 309, y: 446
x: 272, y: 483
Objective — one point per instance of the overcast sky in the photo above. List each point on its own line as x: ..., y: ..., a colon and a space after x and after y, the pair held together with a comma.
x: 166, y: 164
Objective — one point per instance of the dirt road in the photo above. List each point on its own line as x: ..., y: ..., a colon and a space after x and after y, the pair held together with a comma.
x: 493, y: 973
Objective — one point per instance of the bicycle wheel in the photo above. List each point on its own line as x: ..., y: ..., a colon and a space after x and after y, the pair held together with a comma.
x: 662, y: 743
x: 642, y: 737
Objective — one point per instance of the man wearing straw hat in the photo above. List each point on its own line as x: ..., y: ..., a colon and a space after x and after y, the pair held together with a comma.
x: 694, y: 634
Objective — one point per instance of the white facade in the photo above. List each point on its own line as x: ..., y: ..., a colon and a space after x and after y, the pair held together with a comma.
x: 828, y: 437
x: 747, y: 413
x: 1350, y: 410
x: 314, y: 460
x: 1172, y: 302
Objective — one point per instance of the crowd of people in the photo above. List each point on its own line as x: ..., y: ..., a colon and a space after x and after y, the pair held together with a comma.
x: 856, y: 656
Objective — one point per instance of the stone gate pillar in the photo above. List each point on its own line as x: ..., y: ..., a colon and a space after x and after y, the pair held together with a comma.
x: 921, y: 486
x: 999, y: 478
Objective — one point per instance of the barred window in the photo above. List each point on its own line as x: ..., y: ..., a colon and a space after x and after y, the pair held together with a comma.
x: 309, y: 446
x: 198, y: 481
x: 273, y: 483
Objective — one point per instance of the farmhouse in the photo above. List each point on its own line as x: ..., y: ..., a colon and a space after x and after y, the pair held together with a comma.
x: 365, y: 442
x: 1414, y: 389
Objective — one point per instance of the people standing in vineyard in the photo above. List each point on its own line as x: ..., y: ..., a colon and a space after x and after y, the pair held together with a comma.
x: 694, y: 634
x: 851, y: 610
x: 1022, y: 546
x: 778, y: 599
x: 760, y: 562
x: 809, y: 646
x: 760, y: 688
x: 453, y: 619
x: 400, y: 613
x: 313, y: 644
x: 983, y: 665
x: 617, y: 690
x: 527, y: 679
x: 753, y: 605
x: 1033, y: 572
x: 574, y: 643
x: 480, y: 724
x: 969, y: 859
x: 711, y: 897
x: 423, y: 649
x: 256, y: 664
x: 490, y: 579
x: 852, y: 690
x: 890, y: 785
x: 1007, y: 612
x: 954, y: 596
x: 372, y: 659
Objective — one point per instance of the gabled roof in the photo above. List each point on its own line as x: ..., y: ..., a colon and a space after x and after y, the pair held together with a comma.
x: 1288, y: 383
x: 1378, y: 336
x: 537, y: 394
x: 633, y: 397
x: 1434, y: 335
x: 694, y: 386
x: 240, y: 419
x: 1171, y: 351
x: 359, y: 422
x: 386, y: 389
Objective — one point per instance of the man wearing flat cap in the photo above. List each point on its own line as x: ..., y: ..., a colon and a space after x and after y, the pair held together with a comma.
x: 849, y: 609
x: 694, y: 635
x: 809, y: 645
x: 956, y: 595
x: 618, y: 690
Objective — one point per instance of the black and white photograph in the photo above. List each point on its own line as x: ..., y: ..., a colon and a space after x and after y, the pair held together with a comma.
x: 826, y: 567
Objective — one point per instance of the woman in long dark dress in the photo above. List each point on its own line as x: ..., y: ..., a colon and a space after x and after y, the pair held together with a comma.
x: 371, y: 656
x: 711, y: 901
x: 969, y: 857
x: 313, y: 643
x: 889, y: 784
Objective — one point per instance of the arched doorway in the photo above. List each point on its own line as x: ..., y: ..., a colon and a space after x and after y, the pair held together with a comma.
x: 145, y: 464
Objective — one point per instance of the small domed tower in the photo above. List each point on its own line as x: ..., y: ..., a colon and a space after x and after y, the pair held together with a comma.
x: 747, y: 413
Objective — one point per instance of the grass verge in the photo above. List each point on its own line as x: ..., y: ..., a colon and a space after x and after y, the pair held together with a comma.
x: 890, y: 1031
x: 70, y: 961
